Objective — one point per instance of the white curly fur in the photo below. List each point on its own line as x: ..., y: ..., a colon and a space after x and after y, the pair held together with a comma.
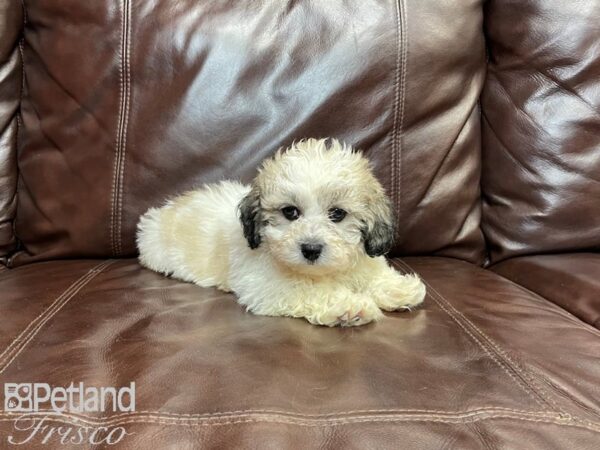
x: 198, y: 237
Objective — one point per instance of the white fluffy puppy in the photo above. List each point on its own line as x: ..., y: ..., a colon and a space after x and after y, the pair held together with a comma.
x: 306, y: 239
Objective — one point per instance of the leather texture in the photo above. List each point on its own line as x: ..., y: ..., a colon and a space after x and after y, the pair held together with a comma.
x: 541, y: 127
x: 461, y: 371
x: 125, y: 103
x: 11, y: 24
x: 182, y: 93
x: 572, y: 281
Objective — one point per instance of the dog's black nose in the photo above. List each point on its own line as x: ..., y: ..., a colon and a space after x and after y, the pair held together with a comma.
x: 311, y: 251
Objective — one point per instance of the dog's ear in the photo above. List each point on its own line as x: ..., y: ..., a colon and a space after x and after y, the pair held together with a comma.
x: 250, y: 217
x: 378, y: 229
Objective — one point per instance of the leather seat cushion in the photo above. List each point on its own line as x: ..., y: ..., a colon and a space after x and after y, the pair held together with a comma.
x: 483, y: 362
x: 572, y: 281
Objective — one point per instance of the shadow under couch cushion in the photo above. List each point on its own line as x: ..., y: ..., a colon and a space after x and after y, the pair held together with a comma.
x: 483, y: 362
x: 572, y: 280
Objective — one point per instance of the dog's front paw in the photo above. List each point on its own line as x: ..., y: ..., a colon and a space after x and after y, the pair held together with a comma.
x: 402, y: 292
x: 346, y: 311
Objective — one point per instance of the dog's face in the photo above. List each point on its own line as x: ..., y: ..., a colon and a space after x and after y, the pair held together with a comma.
x: 317, y: 209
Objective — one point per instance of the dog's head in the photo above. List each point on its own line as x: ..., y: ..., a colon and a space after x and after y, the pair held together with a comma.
x: 317, y: 208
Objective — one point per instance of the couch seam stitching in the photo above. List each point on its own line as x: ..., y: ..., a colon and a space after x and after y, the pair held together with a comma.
x: 42, y: 314
x: 21, y: 341
x: 117, y: 146
x: 291, y: 418
x: 125, y: 127
x: 115, y: 228
x: 590, y: 426
x: 399, y: 104
x: 396, y: 108
x: 535, y: 387
x: 559, y: 392
x: 58, y: 300
x: 494, y: 355
x: 400, y: 135
x: 526, y: 377
x: 481, y: 409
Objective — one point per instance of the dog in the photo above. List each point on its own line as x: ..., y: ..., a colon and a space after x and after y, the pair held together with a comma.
x: 306, y: 239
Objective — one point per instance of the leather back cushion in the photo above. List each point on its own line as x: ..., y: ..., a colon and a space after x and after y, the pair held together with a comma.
x: 541, y: 127
x: 11, y: 24
x: 128, y: 103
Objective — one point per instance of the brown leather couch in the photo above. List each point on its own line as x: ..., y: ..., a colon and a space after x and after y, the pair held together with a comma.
x: 482, y: 120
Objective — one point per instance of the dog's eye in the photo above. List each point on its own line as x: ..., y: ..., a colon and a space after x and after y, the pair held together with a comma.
x: 337, y: 214
x: 290, y: 212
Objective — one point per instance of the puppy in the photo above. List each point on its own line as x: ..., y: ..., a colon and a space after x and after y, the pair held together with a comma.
x: 306, y: 239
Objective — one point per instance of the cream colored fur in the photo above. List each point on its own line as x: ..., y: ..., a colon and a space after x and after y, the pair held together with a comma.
x: 198, y: 237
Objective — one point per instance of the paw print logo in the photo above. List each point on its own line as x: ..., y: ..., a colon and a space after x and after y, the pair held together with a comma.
x: 17, y: 397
